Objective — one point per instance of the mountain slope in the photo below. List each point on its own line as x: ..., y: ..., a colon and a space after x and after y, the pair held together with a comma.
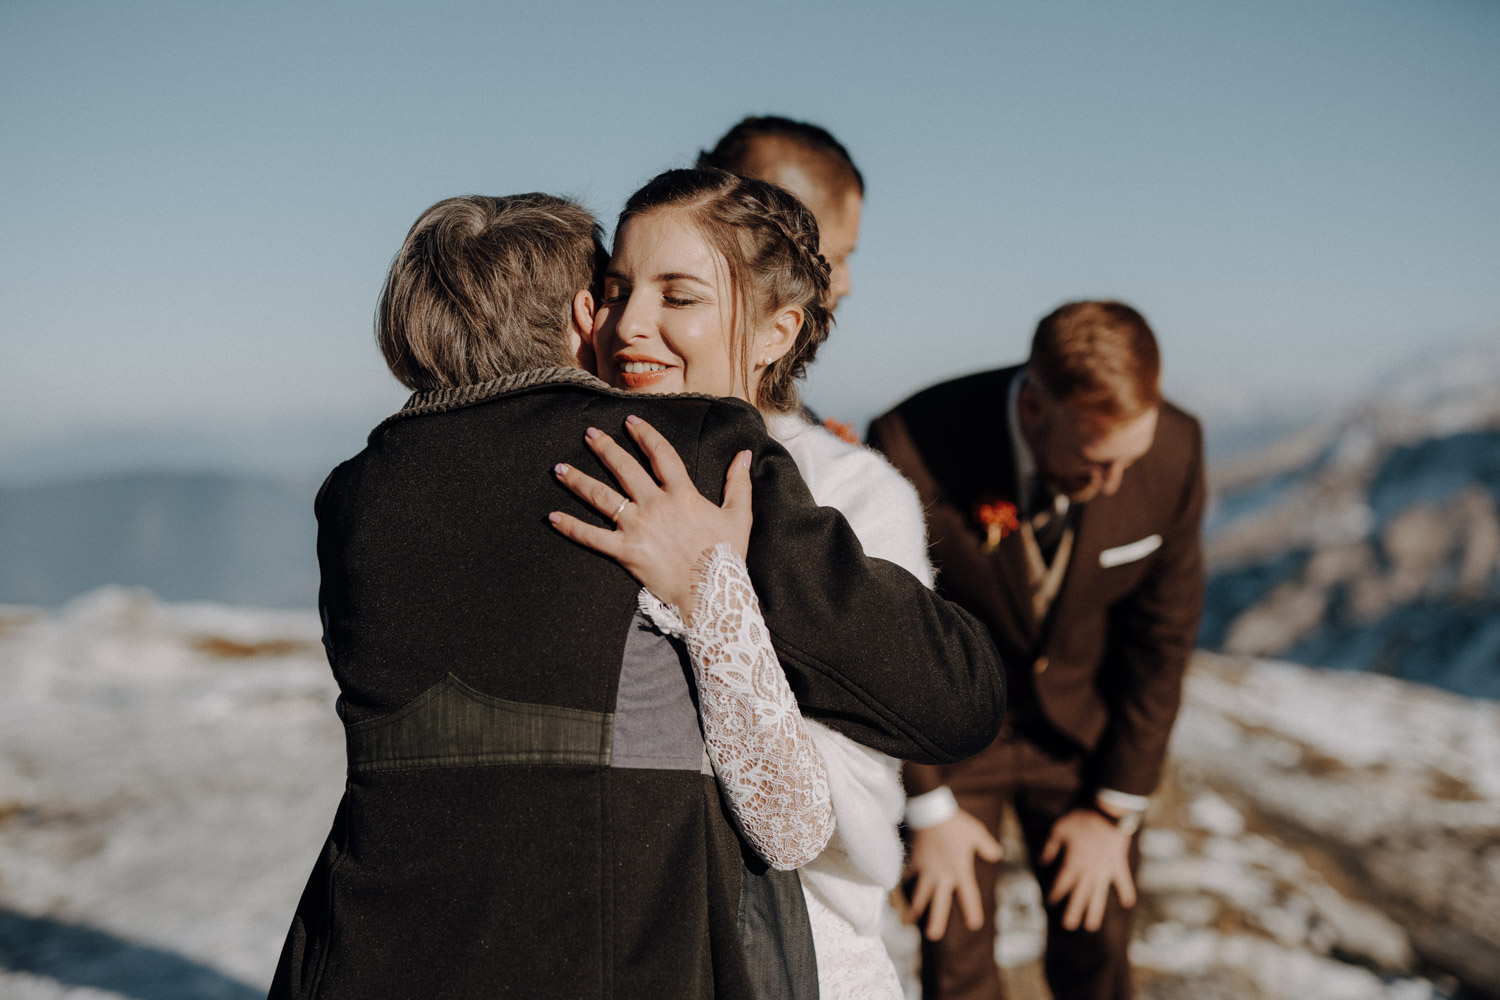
x: 1371, y: 542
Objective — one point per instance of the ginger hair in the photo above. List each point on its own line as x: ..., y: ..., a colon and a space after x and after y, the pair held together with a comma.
x: 1100, y: 358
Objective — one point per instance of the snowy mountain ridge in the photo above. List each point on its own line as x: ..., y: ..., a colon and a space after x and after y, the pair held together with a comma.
x: 1371, y: 541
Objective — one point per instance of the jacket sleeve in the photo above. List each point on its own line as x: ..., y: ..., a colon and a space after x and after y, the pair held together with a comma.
x: 888, y: 437
x: 919, y: 779
x: 1152, y: 633
x: 769, y: 768
x: 867, y: 648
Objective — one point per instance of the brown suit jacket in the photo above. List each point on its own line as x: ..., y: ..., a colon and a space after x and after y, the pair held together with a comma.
x: 1102, y: 676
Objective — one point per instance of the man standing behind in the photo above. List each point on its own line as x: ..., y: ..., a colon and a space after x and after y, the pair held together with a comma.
x: 1064, y: 499
x: 811, y: 164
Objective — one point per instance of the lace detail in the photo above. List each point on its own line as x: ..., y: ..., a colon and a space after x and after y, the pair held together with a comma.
x: 852, y: 965
x: 768, y: 767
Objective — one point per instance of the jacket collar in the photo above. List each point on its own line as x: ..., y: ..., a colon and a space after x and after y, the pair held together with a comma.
x: 442, y: 400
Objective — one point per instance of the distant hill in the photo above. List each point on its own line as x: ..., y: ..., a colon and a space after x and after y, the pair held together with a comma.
x: 1371, y: 541
x: 185, y: 536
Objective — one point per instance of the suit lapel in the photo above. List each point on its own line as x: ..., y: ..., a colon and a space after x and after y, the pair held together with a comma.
x: 1008, y: 561
x: 961, y: 457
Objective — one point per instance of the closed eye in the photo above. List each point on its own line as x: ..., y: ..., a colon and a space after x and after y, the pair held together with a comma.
x: 675, y: 295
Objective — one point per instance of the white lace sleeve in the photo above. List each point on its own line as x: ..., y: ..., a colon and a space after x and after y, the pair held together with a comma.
x: 768, y: 767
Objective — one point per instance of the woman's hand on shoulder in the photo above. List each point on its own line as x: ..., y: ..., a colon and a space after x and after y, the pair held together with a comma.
x: 663, y: 525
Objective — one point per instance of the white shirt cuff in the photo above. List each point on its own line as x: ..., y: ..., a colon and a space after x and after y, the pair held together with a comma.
x: 1123, y: 801
x: 931, y: 808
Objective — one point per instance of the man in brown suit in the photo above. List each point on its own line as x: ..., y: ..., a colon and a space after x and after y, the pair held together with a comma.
x: 1063, y: 500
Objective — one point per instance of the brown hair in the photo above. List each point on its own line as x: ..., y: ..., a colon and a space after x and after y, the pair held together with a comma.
x: 769, y: 240
x: 483, y: 287
x: 743, y: 147
x: 1098, y: 357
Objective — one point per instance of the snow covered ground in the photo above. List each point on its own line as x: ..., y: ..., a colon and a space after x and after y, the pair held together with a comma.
x: 168, y: 772
x: 1389, y: 791
x: 167, y: 775
x: 1319, y: 834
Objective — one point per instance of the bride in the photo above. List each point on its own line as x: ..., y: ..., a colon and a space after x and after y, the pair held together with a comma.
x: 716, y: 287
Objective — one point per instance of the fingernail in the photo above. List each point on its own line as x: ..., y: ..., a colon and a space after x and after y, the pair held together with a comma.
x: 555, y: 517
x: 632, y: 419
x: 591, y: 433
x: 744, y: 459
x: 560, y: 469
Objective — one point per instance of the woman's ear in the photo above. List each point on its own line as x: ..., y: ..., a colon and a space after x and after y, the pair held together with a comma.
x: 780, y: 335
x: 581, y: 332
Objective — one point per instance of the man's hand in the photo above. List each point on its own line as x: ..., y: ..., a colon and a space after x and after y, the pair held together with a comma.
x: 942, y: 860
x: 1095, y: 855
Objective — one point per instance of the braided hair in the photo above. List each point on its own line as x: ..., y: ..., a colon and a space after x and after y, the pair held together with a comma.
x: 769, y: 240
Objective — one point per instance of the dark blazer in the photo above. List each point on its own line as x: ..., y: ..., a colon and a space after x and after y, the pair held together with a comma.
x: 1102, y: 678
x: 527, y: 810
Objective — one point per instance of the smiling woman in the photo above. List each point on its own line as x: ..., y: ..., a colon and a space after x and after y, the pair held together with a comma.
x: 664, y: 320
x: 716, y: 286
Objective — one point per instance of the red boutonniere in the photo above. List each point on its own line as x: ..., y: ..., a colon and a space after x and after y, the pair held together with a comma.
x: 842, y: 431
x: 998, y: 518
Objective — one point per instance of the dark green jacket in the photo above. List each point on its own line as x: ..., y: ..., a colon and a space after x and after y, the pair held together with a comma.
x: 528, y: 812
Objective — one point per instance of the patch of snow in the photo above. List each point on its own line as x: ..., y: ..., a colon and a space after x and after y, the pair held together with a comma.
x: 1280, y: 971
x: 1021, y: 918
x: 1214, y: 814
x: 25, y: 986
x: 157, y: 760
x: 1162, y: 845
x: 1241, y: 887
x: 1398, y: 778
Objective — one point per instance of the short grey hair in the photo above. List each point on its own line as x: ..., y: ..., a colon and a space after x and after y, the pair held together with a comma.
x: 483, y: 288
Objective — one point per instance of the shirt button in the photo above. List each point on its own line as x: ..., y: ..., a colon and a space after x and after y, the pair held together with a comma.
x: 1040, y: 666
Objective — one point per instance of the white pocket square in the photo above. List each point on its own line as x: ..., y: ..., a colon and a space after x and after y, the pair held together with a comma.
x: 1122, y: 554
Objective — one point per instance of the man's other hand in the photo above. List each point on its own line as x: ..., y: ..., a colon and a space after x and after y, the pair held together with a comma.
x: 942, y: 863
x: 1095, y: 856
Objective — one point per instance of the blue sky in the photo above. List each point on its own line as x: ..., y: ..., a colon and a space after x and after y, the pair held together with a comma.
x: 201, y: 200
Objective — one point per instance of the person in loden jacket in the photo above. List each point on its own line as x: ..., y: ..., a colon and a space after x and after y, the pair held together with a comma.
x: 528, y: 809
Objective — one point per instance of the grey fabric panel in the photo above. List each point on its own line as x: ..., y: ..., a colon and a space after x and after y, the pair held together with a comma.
x: 777, y: 936
x: 656, y: 720
x: 451, y: 724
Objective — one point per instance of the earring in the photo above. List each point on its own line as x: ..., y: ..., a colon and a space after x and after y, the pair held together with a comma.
x: 768, y: 362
